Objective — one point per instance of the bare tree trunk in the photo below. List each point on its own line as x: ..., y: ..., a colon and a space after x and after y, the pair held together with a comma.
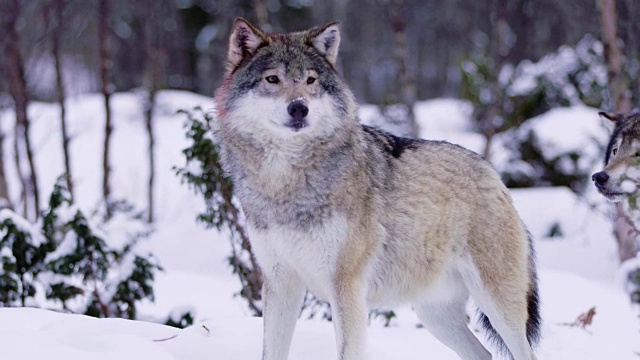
x: 106, y: 89
x: 499, y: 53
x: 155, y: 63
x: 408, y: 92
x: 4, y: 188
x: 631, y: 46
x: 17, y: 158
x: 149, y: 124
x: 262, y: 15
x: 5, y: 17
x: 56, y: 33
x: 33, y: 180
x: 625, y: 232
x: 613, y: 55
x: 18, y: 90
x: 488, y: 142
x: 5, y: 202
x: 152, y: 88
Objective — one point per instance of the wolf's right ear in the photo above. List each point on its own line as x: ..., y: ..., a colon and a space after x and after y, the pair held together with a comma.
x: 243, y: 42
x: 615, y: 117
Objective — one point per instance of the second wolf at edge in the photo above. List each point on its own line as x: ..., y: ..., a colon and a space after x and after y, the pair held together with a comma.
x: 362, y: 218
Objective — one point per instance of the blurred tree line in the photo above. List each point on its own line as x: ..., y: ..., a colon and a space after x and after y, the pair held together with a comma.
x: 190, y: 39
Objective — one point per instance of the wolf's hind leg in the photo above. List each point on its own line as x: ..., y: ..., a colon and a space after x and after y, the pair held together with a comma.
x: 447, y: 321
x: 282, y: 294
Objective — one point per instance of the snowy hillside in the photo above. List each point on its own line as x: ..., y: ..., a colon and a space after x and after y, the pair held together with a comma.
x: 578, y: 268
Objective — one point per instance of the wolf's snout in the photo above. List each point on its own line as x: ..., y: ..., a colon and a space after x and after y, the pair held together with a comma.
x: 297, y: 109
x: 600, y: 178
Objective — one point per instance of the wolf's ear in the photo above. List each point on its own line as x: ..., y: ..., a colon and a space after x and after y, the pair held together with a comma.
x: 327, y: 41
x: 615, y: 117
x: 243, y: 42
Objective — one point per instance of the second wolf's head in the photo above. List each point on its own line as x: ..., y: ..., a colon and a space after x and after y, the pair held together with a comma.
x: 622, y: 158
x: 284, y: 86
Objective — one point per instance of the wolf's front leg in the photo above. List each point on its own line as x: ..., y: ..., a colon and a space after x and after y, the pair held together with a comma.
x: 349, y: 312
x: 282, y: 295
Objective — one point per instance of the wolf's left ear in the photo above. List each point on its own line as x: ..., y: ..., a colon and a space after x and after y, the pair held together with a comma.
x: 615, y: 117
x: 327, y: 41
x: 243, y: 42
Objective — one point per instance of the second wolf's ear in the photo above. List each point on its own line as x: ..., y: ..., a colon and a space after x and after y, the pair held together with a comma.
x: 327, y: 41
x: 615, y: 117
x: 243, y: 42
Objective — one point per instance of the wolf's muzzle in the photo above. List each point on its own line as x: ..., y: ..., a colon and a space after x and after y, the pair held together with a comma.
x: 298, y: 111
x: 600, y: 179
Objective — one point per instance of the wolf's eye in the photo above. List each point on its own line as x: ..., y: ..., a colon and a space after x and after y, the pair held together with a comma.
x: 272, y: 79
x: 614, y: 152
x: 311, y: 80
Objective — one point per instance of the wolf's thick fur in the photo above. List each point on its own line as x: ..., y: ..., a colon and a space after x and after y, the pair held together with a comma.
x: 358, y: 216
x: 622, y: 157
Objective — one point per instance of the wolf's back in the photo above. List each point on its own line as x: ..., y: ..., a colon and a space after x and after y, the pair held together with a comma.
x: 448, y: 173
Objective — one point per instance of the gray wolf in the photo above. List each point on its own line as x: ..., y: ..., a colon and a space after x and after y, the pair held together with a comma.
x: 359, y: 217
x: 622, y: 157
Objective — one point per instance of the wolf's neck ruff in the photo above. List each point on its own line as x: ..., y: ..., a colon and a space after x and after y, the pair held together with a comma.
x: 274, y: 159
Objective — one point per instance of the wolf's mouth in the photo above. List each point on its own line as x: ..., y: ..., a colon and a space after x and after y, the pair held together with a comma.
x: 602, y: 188
x: 296, y: 124
x: 611, y: 195
x: 606, y: 192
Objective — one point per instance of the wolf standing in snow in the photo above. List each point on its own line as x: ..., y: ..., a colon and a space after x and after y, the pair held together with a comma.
x: 360, y: 217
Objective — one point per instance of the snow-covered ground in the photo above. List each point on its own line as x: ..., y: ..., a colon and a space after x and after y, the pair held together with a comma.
x: 578, y: 270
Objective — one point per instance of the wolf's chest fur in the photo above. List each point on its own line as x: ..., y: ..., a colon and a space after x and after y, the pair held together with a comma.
x: 313, y: 252
x: 281, y: 190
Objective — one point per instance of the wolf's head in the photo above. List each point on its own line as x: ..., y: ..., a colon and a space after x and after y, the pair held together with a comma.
x: 622, y: 158
x: 284, y: 86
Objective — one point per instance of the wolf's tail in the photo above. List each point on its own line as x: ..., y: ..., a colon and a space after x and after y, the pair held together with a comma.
x: 534, y: 320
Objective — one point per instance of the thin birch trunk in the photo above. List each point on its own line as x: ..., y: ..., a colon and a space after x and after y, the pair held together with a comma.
x: 625, y: 232
x: 55, y: 17
x: 5, y: 201
x: 18, y: 90
x: 106, y: 89
x: 408, y: 92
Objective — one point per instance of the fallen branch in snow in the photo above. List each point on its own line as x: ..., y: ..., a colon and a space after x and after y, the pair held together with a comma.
x: 583, y: 320
x: 166, y: 339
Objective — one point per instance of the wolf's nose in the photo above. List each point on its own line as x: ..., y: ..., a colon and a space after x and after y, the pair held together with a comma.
x: 297, y: 109
x: 600, y: 178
